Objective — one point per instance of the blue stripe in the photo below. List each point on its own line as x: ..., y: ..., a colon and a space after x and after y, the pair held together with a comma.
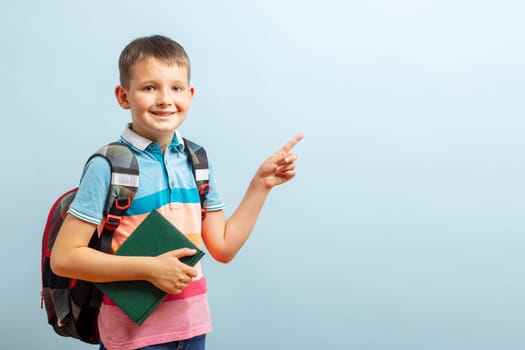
x: 84, y: 217
x: 157, y: 200
x: 215, y: 207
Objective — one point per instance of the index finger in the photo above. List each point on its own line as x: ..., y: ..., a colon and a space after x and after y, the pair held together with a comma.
x: 291, y: 144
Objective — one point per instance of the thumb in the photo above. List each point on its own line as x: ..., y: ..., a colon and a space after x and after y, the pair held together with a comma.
x: 182, y: 252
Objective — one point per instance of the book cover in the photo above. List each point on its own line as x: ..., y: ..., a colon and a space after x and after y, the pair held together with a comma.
x: 154, y: 236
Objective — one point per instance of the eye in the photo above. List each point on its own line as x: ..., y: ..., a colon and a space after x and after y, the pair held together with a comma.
x: 178, y: 88
x: 148, y: 88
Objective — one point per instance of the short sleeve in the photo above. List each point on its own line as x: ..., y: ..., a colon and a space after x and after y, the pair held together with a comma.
x: 89, y: 202
x: 214, y: 199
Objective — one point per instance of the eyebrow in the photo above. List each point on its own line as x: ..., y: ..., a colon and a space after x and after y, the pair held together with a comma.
x: 155, y: 82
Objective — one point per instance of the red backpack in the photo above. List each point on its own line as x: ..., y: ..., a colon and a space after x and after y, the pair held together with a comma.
x: 72, y: 306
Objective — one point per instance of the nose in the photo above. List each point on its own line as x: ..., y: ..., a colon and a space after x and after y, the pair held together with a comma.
x: 163, y: 98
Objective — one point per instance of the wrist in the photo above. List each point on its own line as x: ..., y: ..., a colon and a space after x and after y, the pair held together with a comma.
x: 259, y: 185
x: 146, y: 268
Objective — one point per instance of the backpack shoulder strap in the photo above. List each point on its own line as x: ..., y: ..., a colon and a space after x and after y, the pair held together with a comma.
x: 124, y: 173
x: 123, y: 187
x: 199, y: 163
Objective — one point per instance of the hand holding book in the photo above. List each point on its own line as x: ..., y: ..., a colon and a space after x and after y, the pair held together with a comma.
x: 172, y: 275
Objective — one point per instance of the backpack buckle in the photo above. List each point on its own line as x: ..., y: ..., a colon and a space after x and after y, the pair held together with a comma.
x: 203, y: 192
x: 204, y: 189
x: 112, y: 222
x: 123, y: 204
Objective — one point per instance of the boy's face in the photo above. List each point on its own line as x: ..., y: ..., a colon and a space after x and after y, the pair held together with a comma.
x: 158, y: 97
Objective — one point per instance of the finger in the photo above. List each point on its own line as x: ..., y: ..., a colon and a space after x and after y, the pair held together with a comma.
x: 190, y: 272
x: 291, y: 144
x: 182, y: 284
x: 284, y: 168
x: 289, y: 174
x: 288, y: 159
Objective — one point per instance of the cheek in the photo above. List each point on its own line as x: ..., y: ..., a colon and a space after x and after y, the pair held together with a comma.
x: 188, y: 99
x: 183, y: 102
x: 143, y: 103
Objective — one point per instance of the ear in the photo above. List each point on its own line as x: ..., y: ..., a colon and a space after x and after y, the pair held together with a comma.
x: 122, y: 97
x: 191, y: 92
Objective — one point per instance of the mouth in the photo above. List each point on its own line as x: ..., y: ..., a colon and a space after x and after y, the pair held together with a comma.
x: 164, y: 114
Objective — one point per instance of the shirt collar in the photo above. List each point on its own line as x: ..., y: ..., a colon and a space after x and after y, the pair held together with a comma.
x: 131, y: 137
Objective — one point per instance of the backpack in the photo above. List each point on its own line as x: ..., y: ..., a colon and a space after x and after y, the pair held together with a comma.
x: 72, y: 305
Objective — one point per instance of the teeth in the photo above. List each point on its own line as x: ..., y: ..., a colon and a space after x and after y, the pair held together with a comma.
x: 164, y: 114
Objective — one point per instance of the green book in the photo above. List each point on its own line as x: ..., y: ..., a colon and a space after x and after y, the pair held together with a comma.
x: 154, y: 236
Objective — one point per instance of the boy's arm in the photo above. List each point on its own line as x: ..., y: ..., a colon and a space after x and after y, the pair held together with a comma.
x: 223, y: 238
x: 71, y: 257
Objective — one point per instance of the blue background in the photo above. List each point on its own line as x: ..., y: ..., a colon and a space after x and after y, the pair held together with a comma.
x: 404, y: 227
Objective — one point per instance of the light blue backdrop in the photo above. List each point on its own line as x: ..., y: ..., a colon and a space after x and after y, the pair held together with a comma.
x: 404, y: 227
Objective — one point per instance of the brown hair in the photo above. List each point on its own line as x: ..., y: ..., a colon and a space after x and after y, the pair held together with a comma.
x: 155, y: 46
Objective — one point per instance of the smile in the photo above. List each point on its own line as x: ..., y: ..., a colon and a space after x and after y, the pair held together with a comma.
x: 164, y: 114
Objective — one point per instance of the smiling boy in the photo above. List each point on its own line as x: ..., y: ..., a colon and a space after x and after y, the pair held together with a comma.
x: 155, y: 87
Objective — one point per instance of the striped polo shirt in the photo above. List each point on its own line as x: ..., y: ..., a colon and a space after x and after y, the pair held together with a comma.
x: 166, y: 184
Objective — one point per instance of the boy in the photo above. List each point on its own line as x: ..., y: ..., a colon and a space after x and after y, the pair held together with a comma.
x: 154, y: 86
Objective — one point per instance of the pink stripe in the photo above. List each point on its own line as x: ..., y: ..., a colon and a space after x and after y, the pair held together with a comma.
x: 195, y: 288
